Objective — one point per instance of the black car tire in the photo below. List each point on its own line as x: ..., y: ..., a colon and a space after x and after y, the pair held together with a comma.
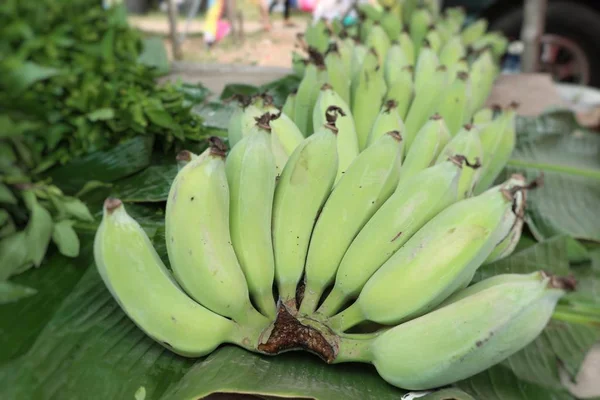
x: 577, y: 22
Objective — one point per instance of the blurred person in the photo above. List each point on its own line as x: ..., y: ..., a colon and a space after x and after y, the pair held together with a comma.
x: 287, y: 4
x: 263, y: 7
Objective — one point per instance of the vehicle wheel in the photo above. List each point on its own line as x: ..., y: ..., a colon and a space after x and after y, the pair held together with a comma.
x: 569, y: 47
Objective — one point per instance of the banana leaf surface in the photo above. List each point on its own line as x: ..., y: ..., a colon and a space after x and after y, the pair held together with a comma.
x: 70, y: 340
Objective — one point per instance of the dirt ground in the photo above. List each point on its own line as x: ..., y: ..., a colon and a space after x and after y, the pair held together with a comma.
x: 258, y: 47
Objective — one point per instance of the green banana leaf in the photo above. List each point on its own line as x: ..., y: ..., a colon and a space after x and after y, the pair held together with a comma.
x: 555, y: 145
x: 73, y: 341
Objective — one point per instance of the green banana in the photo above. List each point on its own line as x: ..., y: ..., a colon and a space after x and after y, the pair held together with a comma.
x: 504, y: 138
x: 285, y: 137
x: 467, y: 143
x: 298, y: 64
x: 302, y: 189
x: 483, y: 74
x: 251, y: 173
x: 427, y: 64
x: 358, y: 57
x: 428, y: 144
x: 401, y: 91
x: 452, y: 105
x: 461, y: 66
x: 388, y: 120
x: 379, y: 41
x: 423, y: 105
x: 347, y: 141
x: 420, y: 22
x: 390, y: 22
x: 395, y: 61
x: 242, y: 120
x: 408, y: 47
x: 464, y: 338
x: 139, y: 281
x: 436, y: 261
x: 337, y: 74
x: 198, y: 238
x: 367, y: 184
x: 495, y: 40
x: 408, y: 9
x: 415, y: 201
x: 308, y: 91
x: 346, y: 50
x: 183, y: 158
x: 367, y: 97
x: 485, y: 116
x: 474, y: 31
x: 434, y: 39
x: 452, y: 51
x: 455, y: 17
x: 372, y: 12
x: 508, y: 244
x: 317, y: 36
x: 364, y: 28
x: 289, y: 107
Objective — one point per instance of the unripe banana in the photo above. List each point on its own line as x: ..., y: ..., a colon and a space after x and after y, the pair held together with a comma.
x: 485, y: 116
x: 466, y: 337
x: 317, y: 36
x: 453, y: 103
x: 452, y: 51
x: 337, y: 74
x: 183, y: 158
x: 401, y: 91
x: 433, y: 6
x: 368, y: 183
x: 347, y: 141
x: 391, y: 22
x: 388, y: 120
x: 434, y: 39
x: 308, y: 91
x: 422, y: 106
x: 496, y: 40
x: 461, y: 65
x: 145, y: 290
x: 346, y: 49
x: 509, y: 243
x: 455, y: 17
x: 285, y: 137
x: 251, y: 174
x: 426, y: 147
x: 298, y: 64
x: 242, y: 120
x: 414, y: 202
x: 467, y: 143
x: 302, y: 190
x: 436, y: 261
x: 379, y: 40
x: 289, y: 107
x: 505, y: 141
x: 408, y: 47
x: 474, y: 31
x: 427, y: 64
x: 408, y: 9
x: 364, y: 28
x: 372, y: 11
x: 198, y: 239
x: 420, y: 21
x: 483, y: 74
x: 395, y: 61
x: 367, y: 97
x: 358, y: 57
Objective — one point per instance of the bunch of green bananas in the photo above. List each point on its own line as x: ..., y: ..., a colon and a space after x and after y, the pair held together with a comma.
x: 326, y: 228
